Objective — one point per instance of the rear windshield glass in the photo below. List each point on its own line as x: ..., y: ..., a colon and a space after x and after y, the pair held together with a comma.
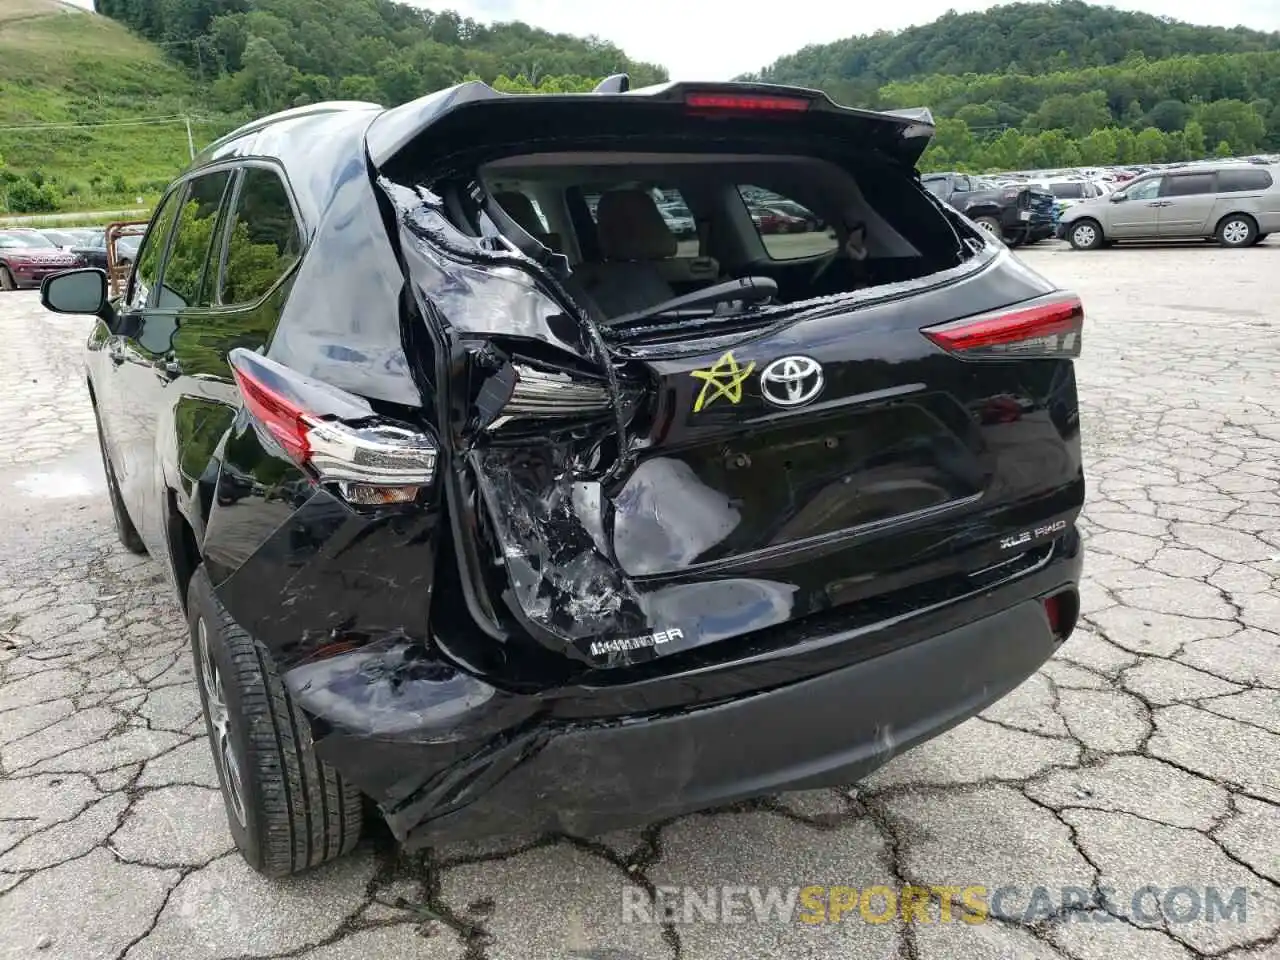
x: 639, y: 230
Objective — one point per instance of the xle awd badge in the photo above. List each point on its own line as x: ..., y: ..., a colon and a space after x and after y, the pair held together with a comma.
x: 1028, y: 536
x: 791, y: 381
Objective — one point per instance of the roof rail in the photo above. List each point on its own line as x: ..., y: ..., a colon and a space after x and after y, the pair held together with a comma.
x: 309, y: 110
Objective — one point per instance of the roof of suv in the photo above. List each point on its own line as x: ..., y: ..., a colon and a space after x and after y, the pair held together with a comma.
x: 322, y: 138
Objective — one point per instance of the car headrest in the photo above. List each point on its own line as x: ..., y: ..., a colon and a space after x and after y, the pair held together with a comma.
x: 520, y: 209
x: 630, y: 227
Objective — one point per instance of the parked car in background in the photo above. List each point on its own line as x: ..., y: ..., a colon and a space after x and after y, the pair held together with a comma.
x: 127, y: 249
x: 679, y: 219
x: 1068, y: 192
x: 792, y: 209
x: 516, y: 540
x: 1237, y: 204
x: 1015, y: 213
x: 770, y: 219
x: 27, y: 257
x: 93, y: 249
x: 66, y: 239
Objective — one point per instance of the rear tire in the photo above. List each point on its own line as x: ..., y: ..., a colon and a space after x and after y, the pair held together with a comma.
x: 1085, y: 235
x: 125, y: 529
x: 288, y: 811
x: 1237, y: 230
x: 6, y: 280
x: 991, y: 227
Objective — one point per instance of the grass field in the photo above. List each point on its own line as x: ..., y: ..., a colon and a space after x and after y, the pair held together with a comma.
x: 60, y: 67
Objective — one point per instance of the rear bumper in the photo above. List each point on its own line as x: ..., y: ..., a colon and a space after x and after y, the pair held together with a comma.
x: 1012, y: 219
x: 830, y: 730
x: 534, y: 768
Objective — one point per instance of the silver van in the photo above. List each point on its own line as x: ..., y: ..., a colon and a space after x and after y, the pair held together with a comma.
x: 1237, y: 204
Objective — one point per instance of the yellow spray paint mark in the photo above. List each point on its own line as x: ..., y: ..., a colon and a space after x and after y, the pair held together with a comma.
x: 724, y: 378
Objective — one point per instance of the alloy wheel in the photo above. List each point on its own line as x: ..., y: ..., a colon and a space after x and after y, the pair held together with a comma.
x: 220, y: 719
x: 1085, y: 235
x: 1235, y: 233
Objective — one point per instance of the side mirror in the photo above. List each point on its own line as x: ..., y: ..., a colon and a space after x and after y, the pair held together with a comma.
x: 1117, y: 197
x: 76, y: 291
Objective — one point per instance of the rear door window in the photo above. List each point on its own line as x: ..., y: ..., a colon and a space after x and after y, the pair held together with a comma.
x: 264, y: 240
x: 1243, y: 181
x: 184, y: 282
x: 789, y: 230
x: 1189, y: 185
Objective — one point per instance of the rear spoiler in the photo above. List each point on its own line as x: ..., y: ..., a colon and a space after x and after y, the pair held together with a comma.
x: 471, y: 115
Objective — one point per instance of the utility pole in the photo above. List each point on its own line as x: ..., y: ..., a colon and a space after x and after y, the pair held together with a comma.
x: 191, y: 144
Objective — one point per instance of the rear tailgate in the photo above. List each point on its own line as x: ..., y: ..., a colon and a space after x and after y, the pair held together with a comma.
x: 840, y: 457
x: 908, y: 467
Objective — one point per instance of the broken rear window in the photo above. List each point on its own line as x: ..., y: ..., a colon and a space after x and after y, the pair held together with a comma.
x: 640, y: 230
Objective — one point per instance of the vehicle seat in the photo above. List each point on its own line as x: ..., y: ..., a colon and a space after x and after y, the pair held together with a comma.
x: 520, y: 209
x: 634, y: 240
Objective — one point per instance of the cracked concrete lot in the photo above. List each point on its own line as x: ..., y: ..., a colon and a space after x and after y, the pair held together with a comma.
x: 1146, y: 753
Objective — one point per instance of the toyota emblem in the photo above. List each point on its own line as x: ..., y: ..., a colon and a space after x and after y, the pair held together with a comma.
x: 791, y: 381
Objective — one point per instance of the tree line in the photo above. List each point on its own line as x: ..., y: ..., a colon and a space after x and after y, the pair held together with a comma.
x: 265, y: 55
x: 1018, y: 38
x: 1180, y: 108
x: 1032, y: 85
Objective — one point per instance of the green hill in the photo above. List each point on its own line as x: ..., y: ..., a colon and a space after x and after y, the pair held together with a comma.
x: 1023, y: 38
x: 1033, y: 85
x: 64, y: 72
x: 269, y: 54
x: 61, y: 67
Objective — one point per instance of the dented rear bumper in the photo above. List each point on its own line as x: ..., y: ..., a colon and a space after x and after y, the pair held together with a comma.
x: 464, y: 759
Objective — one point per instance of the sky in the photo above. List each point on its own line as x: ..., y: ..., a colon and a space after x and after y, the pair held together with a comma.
x: 719, y: 39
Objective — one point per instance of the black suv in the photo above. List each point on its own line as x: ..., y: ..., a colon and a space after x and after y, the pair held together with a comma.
x: 506, y: 515
x: 1016, y: 213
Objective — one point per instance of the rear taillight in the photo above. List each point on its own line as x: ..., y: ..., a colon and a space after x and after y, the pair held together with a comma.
x: 745, y: 103
x: 333, y: 435
x: 547, y: 395
x: 1049, y: 328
